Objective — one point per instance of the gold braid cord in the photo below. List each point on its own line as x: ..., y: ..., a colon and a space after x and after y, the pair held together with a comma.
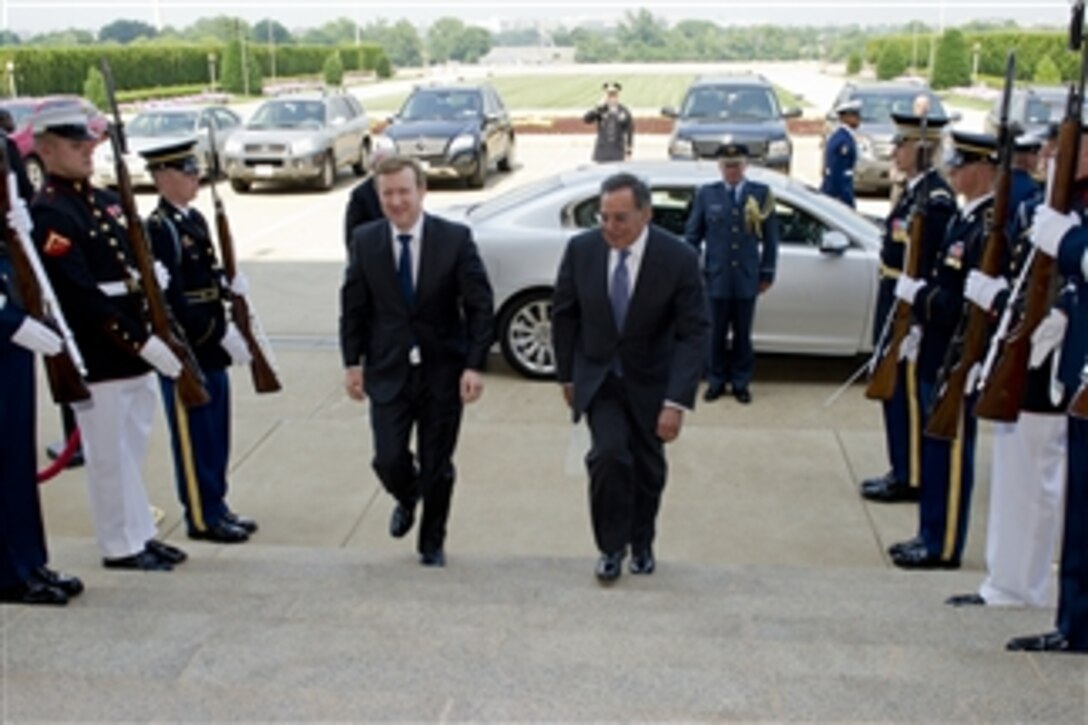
x: 754, y: 216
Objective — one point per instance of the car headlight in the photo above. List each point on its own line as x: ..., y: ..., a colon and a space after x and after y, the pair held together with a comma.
x: 303, y: 146
x: 681, y: 147
x: 233, y: 145
x: 464, y: 142
x: 781, y: 147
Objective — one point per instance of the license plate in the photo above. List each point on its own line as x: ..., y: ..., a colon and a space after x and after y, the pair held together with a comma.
x: 264, y: 170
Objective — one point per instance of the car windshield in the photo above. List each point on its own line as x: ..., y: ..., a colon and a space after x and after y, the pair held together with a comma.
x: 878, y: 106
x: 730, y: 102
x: 20, y: 112
x: 289, y: 114
x: 162, y: 124
x: 441, y: 105
x: 1044, y: 110
x: 514, y: 197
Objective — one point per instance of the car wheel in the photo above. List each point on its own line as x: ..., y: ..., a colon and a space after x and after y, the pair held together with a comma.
x: 239, y: 185
x: 328, y: 173
x: 359, y: 167
x: 507, y: 162
x: 525, y: 335
x: 35, y: 172
x: 479, y: 175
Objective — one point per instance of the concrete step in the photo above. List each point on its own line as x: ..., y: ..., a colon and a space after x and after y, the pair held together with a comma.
x: 261, y: 632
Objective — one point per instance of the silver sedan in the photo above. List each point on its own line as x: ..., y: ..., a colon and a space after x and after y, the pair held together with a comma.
x: 822, y: 302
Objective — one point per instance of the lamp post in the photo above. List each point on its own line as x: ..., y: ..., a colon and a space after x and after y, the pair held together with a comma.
x: 9, y: 68
x: 975, y: 50
x: 211, y: 69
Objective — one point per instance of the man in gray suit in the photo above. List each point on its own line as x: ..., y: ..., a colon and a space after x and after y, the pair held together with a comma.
x: 629, y: 350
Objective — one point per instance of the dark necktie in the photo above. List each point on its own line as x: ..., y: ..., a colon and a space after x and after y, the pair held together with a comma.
x: 404, y: 268
x: 620, y: 294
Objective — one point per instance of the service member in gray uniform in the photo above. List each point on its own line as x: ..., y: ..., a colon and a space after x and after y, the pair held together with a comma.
x: 196, y: 291
x: 81, y: 234
x: 615, y: 126
x: 735, y: 217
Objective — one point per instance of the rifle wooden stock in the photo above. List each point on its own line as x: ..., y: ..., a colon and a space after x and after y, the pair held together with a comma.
x: 65, y: 382
x: 1079, y: 407
x: 264, y: 376
x: 190, y: 383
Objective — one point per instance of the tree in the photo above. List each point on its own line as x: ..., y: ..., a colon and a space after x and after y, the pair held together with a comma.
x: 334, y: 32
x: 271, y: 28
x: 853, y: 64
x: 333, y: 70
x: 221, y: 29
x: 471, y: 45
x: 952, y: 61
x: 401, y: 42
x: 382, y: 69
x: 641, y: 29
x: 1047, y: 72
x: 442, y: 37
x: 94, y: 88
x: 891, y: 63
x: 125, y: 31
x: 8, y: 38
x: 72, y: 36
x: 232, y: 77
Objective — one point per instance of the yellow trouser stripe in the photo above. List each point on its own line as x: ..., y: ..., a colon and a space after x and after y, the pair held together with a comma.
x: 915, y: 423
x: 955, y: 493
x: 181, y: 418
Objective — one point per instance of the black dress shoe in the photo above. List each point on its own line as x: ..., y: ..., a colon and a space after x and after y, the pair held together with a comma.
x: 433, y: 558
x: 743, y: 396
x: 966, y: 600
x: 68, y: 584
x: 165, y: 552
x: 221, y: 533
x: 143, y: 561
x: 400, y: 523
x: 1049, y: 642
x: 609, y: 567
x: 920, y: 558
x: 713, y: 392
x: 915, y: 543
x: 242, y: 522
x: 33, y: 591
x: 889, y: 490
x: 642, y: 562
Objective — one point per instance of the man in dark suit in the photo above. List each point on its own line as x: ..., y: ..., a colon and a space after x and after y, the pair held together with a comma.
x: 363, y: 204
x: 629, y: 355
x: 735, y: 217
x: 841, y: 154
x: 416, y: 323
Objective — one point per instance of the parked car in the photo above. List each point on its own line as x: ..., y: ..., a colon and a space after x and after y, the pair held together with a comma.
x: 304, y: 138
x: 874, y: 170
x: 1032, y: 108
x: 161, y: 127
x: 459, y: 131
x: 23, y: 112
x: 822, y: 302
x: 732, y: 109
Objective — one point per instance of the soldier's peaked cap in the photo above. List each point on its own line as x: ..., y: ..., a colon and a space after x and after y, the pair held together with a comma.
x: 908, y: 126
x: 66, y: 121
x: 179, y: 155
x: 612, y: 87
x: 731, y: 152
x: 970, y: 148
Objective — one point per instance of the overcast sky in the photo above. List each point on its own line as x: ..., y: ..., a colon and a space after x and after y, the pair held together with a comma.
x: 33, y: 16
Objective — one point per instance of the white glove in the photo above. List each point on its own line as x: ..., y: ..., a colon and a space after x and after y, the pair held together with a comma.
x: 18, y: 216
x: 240, y: 284
x: 162, y: 274
x: 1048, y: 227
x: 1047, y: 337
x: 908, y: 349
x: 235, y: 345
x: 982, y: 289
x: 907, y: 288
x: 159, y: 355
x: 973, y: 376
x: 36, y: 337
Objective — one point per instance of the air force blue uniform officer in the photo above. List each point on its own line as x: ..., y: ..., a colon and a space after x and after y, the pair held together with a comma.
x: 841, y: 155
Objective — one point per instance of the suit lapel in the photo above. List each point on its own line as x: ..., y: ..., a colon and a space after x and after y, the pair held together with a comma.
x: 427, y: 250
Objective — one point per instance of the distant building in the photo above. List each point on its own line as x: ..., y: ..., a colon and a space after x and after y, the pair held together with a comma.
x: 528, y: 55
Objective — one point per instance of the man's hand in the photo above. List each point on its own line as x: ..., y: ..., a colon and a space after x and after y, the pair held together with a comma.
x: 669, y: 422
x: 353, y: 383
x: 472, y: 386
x: 907, y: 288
x: 765, y: 285
x: 568, y: 393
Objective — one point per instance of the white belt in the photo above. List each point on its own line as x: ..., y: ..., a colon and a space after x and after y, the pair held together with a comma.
x: 114, y: 289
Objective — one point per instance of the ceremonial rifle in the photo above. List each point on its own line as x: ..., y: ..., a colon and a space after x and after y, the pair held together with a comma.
x: 264, y: 375
x: 65, y: 370
x: 882, y: 382
x: 970, y: 338
x: 190, y: 383
x: 1004, y: 387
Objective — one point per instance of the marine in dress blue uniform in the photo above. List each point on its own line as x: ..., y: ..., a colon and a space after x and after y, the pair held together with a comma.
x: 841, y: 154
x: 615, y: 126
x: 83, y: 241
x: 735, y: 219
x: 930, y: 195
x: 196, y: 292
x: 948, y: 466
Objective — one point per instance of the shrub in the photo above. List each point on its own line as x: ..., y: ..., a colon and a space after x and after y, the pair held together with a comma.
x: 333, y: 69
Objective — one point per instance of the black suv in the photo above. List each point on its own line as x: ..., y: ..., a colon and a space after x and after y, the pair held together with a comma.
x: 455, y: 131
x: 732, y: 109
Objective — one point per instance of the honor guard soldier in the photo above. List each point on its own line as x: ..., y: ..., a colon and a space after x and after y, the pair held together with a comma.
x: 926, y: 192
x: 841, y: 154
x: 735, y: 218
x: 24, y: 577
x: 948, y: 466
x: 615, y: 126
x: 196, y: 292
x: 1064, y: 238
x: 83, y: 240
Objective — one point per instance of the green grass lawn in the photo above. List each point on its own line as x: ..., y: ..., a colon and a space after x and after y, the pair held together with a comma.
x: 580, y: 91
x: 954, y: 99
